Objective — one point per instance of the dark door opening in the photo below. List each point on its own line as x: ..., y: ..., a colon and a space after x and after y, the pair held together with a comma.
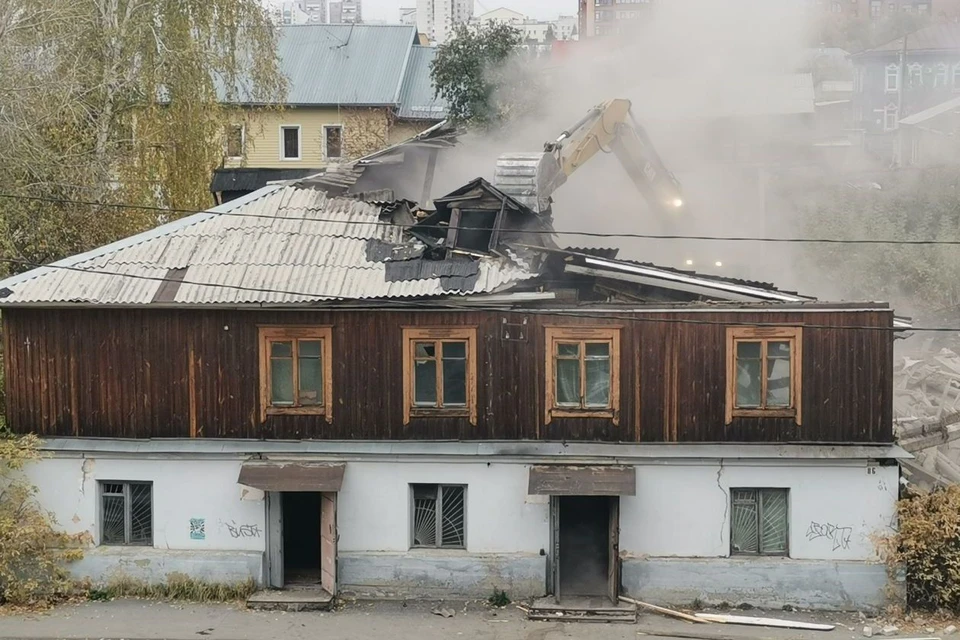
x: 585, y: 546
x: 301, y: 537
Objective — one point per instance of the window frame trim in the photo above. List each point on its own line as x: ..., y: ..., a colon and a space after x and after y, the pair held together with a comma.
x: 759, y: 554
x: 283, y: 157
x: 127, y: 513
x: 275, y: 333
x: 411, y: 511
x: 324, y: 128
x: 410, y: 336
x: 582, y: 334
x: 793, y: 335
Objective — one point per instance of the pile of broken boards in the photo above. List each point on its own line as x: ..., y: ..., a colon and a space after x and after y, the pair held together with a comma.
x: 626, y: 609
x: 926, y: 411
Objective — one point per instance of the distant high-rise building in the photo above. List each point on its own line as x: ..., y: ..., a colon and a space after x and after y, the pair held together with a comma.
x: 607, y: 17
x: 316, y: 10
x: 437, y: 18
x: 346, y: 12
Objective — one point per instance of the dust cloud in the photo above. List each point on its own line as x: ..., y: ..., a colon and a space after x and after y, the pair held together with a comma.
x: 708, y: 80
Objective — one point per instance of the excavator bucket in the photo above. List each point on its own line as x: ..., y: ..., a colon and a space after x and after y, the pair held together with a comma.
x: 529, y: 178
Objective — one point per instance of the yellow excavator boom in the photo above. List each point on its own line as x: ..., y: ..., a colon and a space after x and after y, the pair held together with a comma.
x: 608, y: 127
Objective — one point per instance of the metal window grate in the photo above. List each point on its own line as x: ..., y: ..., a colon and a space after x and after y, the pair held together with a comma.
x: 126, y: 513
x: 759, y: 523
x: 439, y: 516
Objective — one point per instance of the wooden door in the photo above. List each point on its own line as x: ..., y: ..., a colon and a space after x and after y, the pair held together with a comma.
x: 613, y: 564
x: 328, y: 542
x: 274, y: 506
x: 554, y: 573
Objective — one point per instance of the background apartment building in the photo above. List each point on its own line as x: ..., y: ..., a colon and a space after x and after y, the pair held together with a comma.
x: 437, y: 18
x: 346, y: 12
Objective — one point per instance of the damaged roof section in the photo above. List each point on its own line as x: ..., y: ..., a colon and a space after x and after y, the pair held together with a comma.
x: 281, y: 245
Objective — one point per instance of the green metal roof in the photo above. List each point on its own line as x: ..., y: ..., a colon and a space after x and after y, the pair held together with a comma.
x: 344, y: 64
x: 418, y: 100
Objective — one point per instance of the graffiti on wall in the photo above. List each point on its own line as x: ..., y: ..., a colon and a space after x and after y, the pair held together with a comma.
x: 242, y: 530
x: 838, y: 536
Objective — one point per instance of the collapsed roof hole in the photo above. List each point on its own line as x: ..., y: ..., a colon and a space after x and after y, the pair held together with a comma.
x: 472, y: 229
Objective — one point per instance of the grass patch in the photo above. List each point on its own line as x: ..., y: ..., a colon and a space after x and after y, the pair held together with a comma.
x: 177, y: 586
x: 499, y: 598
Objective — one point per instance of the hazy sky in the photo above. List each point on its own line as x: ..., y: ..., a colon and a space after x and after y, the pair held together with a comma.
x: 389, y: 9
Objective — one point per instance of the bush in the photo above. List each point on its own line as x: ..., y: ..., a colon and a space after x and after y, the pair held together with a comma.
x: 499, y: 598
x: 32, y: 552
x: 927, y: 546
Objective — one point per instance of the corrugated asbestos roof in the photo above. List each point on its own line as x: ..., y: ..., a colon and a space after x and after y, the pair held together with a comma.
x: 280, y: 245
x: 343, y: 64
x: 418, y: 99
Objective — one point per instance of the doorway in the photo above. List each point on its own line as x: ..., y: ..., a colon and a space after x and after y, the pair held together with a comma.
x: 586, y: 547
x: 301, y: 537
x: 302, y: 540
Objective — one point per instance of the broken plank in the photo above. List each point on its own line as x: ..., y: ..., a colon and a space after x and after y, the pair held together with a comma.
x: 663, y: 610
x: 765, y: 622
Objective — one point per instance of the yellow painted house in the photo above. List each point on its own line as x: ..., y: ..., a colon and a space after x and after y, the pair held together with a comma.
x: 352, y: 90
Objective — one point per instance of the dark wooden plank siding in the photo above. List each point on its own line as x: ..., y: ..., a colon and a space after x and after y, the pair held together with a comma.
x: 132, y: 374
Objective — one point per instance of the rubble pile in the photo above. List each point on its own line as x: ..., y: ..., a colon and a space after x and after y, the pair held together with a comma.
x: 926, y: 411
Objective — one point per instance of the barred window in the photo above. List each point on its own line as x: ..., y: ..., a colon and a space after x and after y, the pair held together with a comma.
x: 759, y: 523
x: 438, y: 516
x: 126, y: 513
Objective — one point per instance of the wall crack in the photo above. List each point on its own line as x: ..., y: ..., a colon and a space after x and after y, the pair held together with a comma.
x: 726, y: 501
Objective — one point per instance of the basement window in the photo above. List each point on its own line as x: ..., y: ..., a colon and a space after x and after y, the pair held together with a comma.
x: 759, y: 524
x: 438, y: 516
x: 295, y: 371
x: 763, y: 372
x: 583, y: 372
x: 440, y: 373
x: 126, y: 513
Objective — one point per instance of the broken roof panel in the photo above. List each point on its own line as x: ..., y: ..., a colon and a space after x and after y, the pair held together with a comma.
x: 280, y: 245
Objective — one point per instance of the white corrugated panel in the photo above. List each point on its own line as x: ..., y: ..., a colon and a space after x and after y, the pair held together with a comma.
x: 290, y: 246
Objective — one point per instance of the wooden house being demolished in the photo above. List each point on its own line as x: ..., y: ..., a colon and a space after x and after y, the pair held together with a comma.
x: 323, y: 384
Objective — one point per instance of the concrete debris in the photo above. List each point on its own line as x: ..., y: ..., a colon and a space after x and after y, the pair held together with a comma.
x: 868, y: 632
x: 930, y: 630
x: 949, y: 631
x: 446, y: 613
x: 890, y: 630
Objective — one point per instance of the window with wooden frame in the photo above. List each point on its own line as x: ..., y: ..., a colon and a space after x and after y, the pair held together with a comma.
x: 582, y: 373
x: 296, y: 371
x: 764, y: 372
x: 440, y: 373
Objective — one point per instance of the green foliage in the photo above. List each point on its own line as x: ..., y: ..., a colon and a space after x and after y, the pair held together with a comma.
x: 32, y: 552
x: 911, y: 205
x: 481, y: 76
x: 118, y: 101
x: 927, y: 546
x: 499, y: 598
x: 176, y: 587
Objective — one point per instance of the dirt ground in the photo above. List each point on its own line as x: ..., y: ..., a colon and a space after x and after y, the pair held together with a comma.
x: 148, y: 620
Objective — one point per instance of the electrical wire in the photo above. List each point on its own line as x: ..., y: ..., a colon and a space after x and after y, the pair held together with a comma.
x: 588, y: 234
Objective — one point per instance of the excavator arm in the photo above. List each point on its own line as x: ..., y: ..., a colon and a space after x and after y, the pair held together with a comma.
x: 609, y: 127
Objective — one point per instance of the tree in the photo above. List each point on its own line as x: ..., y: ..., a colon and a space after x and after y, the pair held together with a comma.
x: 119, y: 102
x: 909, y: 205
x: 482, y: 76
x: 549, y: 36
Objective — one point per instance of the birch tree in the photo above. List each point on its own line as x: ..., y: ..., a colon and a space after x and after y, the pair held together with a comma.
x: 119, y: 102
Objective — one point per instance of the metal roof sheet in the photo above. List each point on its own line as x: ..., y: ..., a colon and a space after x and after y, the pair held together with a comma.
x: 280, y: 245
x: 936, y: 110
x: 344, y: 64
x: 418, y: 98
